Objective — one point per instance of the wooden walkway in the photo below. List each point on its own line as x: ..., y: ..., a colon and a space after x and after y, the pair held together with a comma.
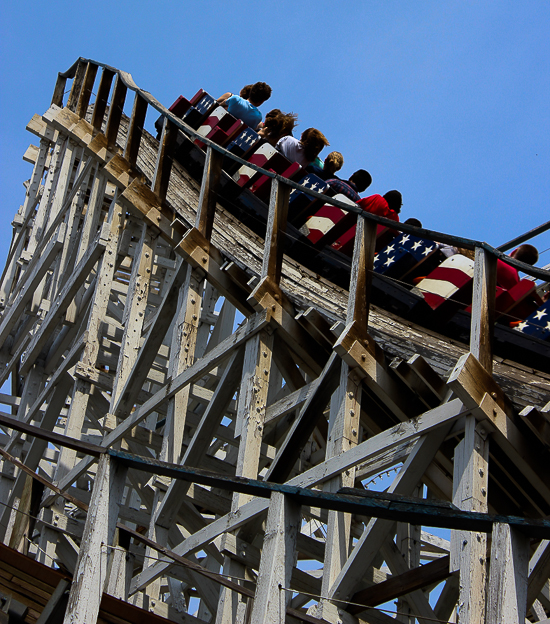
x: 196, y: 420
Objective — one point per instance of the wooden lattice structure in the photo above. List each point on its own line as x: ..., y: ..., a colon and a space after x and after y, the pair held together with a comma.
x: 227, y: 408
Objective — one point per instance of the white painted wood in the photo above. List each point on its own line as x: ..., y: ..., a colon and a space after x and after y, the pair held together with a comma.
x: 469, y: 549
x: 91, y: 571
x: 507, y: 593
x: 278, y: 559
x: 343, y: 434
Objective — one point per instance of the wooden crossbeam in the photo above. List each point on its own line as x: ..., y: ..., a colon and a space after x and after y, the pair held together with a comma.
x: 433, y: 572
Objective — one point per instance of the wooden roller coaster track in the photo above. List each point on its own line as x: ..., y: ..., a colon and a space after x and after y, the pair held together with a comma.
x: 197, y: 421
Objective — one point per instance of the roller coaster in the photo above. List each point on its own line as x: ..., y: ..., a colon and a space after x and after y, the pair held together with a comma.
x: 214, y: 364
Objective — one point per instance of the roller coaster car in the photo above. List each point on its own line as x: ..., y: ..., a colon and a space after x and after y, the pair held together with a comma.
x: 321, y: 236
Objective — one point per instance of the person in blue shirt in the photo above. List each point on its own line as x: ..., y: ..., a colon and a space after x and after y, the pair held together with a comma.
x: 246, y: 108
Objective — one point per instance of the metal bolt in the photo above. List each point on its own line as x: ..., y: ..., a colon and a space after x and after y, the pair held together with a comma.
x: 204, y: 259
x: 363, y: 356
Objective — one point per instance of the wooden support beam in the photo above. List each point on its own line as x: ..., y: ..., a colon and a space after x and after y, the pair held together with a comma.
x: 167, y: 511
x: 91, y: 571
x: 102, y: 98
x: 163, y: 166
x: 273, y: 593
x: 361, y: 273
x: 189, y: 376
x: 343, y: 434
x: 416, y: 602
x: 305, y: 422
x: 275, y: 234
x: 507, y: 593
x: 209, y: 193
x: 400, y: 585
x: 86, y: 91
x: 55, y: 608
x: 76, y: 87
x: 59, y: 90
x: 135, y: 130
x: 477, y: 389
x: 115, y: 111
x: 469, y: 550
x: 539, y: 572
x: 377, y: 530
x: 483, y: 308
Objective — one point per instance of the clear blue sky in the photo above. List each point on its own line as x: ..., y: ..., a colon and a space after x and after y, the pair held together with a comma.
x: 445, y: 100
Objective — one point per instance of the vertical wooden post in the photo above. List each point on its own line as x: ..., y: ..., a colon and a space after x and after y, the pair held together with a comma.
x: 86, y: 91
x: 507, y: 595
x: 102, y: 98
x: 278, y: 559
x: 135, y: 130
x: 471, y: 478
x: 249, y: 427
x: 59, y: 90
x: 343, y: 434
x: 361, y: 272
x: 91, y: 568
x: 539, y: 572
x: 483, y: 308
x: 135, y: 308
x: 76, y: 87
x: 120, y: 569
x: 115, y: 111
x: 207, y: 198
x: 163, y: 165
x: 275, y: 233
x: 408, y: 542
x: 469, y: 549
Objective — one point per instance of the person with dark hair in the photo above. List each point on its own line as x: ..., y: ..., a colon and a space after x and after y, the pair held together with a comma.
x: 358, y: 182
x: 245, y: 91
x: 305, y: 150
x: 388, y: 205
x: 414, y: 222
x: 277, y: 125
x: 507, y: 276
x: 246, y: 109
